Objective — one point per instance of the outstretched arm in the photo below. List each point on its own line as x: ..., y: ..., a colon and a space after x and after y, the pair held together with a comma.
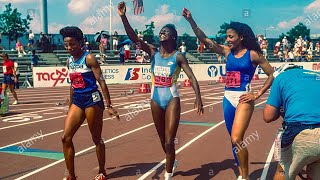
x: 183, y: 62
x: 223, y: 50
x: 95, y: 67
x: 130, y: 32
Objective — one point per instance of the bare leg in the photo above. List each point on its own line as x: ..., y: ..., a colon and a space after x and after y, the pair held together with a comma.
x: 241, y: 122
x: 13, y: 92
x: 94, y: 116
x: 73, y: 121
x: 172, y: 118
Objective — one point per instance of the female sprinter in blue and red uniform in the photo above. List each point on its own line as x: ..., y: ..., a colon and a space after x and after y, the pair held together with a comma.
x: 165, y: 102
x: 243, y: 55
x: 86, y: 101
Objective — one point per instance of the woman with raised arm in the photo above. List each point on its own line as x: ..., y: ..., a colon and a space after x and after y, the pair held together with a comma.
x: 165, y: 102
x: 243, y: 55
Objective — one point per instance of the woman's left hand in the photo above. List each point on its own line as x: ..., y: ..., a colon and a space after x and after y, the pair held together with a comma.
x: 112, y: 112
x: 15, y: 79
x: 244, y: 98
x: 199, y: 106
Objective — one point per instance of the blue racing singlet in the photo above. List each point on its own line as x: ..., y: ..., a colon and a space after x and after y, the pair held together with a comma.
x: 165, y: 73
x: 81, y: 76
x: 239, y: 72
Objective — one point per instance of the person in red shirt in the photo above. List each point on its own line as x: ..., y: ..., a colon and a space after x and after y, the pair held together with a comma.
x: 9, y: 76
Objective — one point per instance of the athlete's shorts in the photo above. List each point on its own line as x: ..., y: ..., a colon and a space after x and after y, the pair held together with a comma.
x: 8, y: 79
x: 230, y: 103
x: 85, y: 100
x: 163, y: 95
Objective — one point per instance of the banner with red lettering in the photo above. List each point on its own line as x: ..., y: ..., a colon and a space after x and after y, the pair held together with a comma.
x: 130, y: 74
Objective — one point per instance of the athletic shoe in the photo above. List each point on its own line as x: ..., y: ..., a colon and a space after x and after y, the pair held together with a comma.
x: 167, y: 176
x: 15, y: 102
x: 175, y: 165
x: 100, y: 177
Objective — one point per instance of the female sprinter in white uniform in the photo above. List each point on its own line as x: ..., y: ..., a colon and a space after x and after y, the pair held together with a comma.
x: 165, y: 103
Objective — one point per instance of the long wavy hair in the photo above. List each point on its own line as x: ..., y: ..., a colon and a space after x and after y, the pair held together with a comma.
x: 249, y: 40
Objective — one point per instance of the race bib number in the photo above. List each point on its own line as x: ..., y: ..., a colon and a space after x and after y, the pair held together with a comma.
x: 77, y: 80
x: 4, y: 68
x: 96, y: 97
x: 233, y: 79
x: 161, y: 81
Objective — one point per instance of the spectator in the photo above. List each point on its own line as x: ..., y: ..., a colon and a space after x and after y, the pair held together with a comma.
x: 183, y: 49
x: 0, y: 37
x: 290, y: 56
x: 277, y: 47
x: 140, y: 35
x: 87, y: 47
x: 19, y: 48
x: 16, y: 68
x: 121, y: 51
x: 115, y: 40
x: 127, y: 51
x: 264, y: 47
x: 198, y: 45
x: 285, y: 42
x: 34, y: 59
x: 317, y: 49
x: 292, y: 89
x: 31, y: 41
x: 103, y: 44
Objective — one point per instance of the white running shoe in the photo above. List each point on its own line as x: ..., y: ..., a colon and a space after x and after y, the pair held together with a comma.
x: 175, y: 165
x: 167, y: 176
x: 15, y: 102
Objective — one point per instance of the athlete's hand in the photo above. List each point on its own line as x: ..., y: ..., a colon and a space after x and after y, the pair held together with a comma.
x: 122, y: 8
x: 199, y: 106
x: 186, y: 14
x: 244, y: 98
x: 15, y: 79
x: 112, y: 112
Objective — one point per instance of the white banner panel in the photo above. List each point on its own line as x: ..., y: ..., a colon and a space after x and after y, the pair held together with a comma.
x: 58, y: 76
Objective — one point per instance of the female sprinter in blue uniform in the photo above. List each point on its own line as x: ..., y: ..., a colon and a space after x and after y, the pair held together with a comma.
x: 165, y: 101
x: 243, y: 56
x: 86, y: 101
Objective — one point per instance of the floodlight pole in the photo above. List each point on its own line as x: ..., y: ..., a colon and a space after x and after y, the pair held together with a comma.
x: 110, y: 28
x: 44, y: 16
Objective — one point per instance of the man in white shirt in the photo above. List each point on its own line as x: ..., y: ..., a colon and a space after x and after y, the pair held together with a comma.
x: 183, y: 49
x: 31, y: 41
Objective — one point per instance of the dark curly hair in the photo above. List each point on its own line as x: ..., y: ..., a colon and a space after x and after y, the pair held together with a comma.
x: 249, y: 39
x: 73, y: 32
x: 173, y: 29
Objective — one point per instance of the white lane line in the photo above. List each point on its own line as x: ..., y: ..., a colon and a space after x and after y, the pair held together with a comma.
x: 180, y: 149
x: 267, y: 164
x: 186, y: 145
x: 92, y: 147
x: 65, y: 115
x: 81, y: 125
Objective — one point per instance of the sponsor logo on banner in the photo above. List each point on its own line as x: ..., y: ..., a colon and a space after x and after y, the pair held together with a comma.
x: 132, y: 74
x: 316, y: 66
x: 54, y: 77
x: 109, y: 73
x: 212, y: 71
